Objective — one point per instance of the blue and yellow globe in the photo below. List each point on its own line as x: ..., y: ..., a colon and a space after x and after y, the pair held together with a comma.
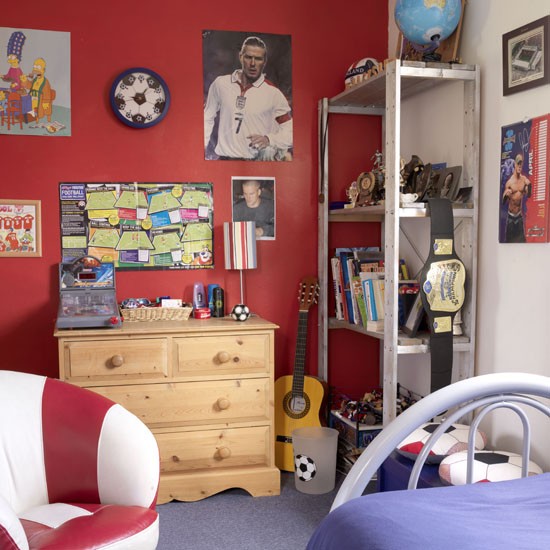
x: 425, y: 21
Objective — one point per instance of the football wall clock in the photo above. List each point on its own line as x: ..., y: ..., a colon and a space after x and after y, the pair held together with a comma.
x: 140, y: 98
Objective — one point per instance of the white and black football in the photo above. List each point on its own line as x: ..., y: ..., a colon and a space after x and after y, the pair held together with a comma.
x: 454, y: 439
x: 305, y: 467
x: 240, y: 312
x: 487, y: 466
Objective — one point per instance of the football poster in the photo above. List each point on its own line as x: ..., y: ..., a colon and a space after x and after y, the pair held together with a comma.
x: 524, y: 182
x: 138, y: 225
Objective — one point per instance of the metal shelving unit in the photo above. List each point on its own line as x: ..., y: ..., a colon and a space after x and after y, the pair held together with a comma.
x: 382, y: 95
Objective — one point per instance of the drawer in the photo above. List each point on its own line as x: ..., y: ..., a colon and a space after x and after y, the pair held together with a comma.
x: 96, y: 360
x: 222, y: 355
x: 209, y: 449
x: 195, y: 403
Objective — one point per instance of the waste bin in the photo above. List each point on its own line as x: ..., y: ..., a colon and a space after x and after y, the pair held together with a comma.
x: 315, y: 459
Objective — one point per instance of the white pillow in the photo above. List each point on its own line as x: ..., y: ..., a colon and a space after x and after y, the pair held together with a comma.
x: 453, y: 440
x: 488, y: 466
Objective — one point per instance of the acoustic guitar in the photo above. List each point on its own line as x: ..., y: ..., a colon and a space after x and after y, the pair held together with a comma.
x: 298, y: 398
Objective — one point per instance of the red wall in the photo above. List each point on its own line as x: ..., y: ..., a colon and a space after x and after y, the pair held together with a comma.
x: 166, y: 37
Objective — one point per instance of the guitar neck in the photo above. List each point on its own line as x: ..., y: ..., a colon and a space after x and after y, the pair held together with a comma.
x: 300, y: 356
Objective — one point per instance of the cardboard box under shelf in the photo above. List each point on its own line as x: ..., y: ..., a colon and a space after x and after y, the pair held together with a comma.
x: 359, y: 435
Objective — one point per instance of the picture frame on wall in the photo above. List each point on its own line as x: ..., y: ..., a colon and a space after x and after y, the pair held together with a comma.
x: 254, y: 201
x: 20, y: 228
x: 526, y: 57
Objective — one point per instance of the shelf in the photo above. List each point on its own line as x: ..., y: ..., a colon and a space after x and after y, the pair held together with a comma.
x: 377, y: 213
x: 405, y: 344
x: 415, y: 78
x: 381, y: 95
x: 356, y: 425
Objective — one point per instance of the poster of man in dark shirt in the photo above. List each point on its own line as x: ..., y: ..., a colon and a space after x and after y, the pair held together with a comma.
x: 254, y: 201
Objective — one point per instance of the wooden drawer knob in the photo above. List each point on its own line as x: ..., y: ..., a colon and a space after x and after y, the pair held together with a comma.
x: 224, y: 452
x: 223, y: 403
x: 223, y: 356
x: 117, y: 360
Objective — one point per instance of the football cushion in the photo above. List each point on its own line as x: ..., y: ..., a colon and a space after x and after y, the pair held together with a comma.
x: 488, y: 466
x: 454, y: 439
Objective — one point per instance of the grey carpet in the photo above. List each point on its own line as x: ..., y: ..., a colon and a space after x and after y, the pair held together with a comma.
x: 234, y: 520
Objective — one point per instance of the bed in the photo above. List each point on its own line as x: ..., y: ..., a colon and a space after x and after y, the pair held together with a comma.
x: 508, y: 514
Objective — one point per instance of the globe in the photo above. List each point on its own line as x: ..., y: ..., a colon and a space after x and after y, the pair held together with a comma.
x: 426, y: 21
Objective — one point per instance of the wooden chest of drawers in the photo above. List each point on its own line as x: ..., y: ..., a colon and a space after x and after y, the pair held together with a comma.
x: 204, y: 388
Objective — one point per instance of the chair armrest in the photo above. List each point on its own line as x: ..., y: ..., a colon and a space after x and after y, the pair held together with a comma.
x: 128, y: 460
x: 12, y: 535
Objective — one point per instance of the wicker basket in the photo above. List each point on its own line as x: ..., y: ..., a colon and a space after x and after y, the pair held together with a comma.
x: 156, y: 314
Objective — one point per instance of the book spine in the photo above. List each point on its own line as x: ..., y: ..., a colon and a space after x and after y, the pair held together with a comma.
x: 404, y: 270
x: 346, y: 285
x: 379, y: 297
x: 360, y: 299
x: 370, y: 284
x: 338, y: 298
x: 356, y: 318
x: 366, y: 296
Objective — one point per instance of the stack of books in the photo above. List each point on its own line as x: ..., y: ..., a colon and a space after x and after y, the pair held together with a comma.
x: 358, y: 279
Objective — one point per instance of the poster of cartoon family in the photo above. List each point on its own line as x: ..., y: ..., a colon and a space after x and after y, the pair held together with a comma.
x: 138, y: 225
x: 35, y: 82
x: 524, y: 181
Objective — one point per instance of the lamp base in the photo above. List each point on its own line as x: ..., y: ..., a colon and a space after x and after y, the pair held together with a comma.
x: 240, y: 312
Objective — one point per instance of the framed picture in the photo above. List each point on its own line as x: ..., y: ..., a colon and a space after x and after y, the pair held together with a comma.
x: 423, y: 182
x: 526, y: 57
x: 254, y: 201
x: 448, y: 183
x: 415, y: 316
x: 20, y: 228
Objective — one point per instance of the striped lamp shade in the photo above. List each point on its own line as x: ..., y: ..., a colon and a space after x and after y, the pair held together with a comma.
x: 240, y: 245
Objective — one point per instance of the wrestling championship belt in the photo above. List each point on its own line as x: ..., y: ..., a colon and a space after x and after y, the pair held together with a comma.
x: 442, y: 290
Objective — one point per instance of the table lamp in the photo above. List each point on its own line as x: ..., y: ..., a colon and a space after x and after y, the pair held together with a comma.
x: 240, y: 253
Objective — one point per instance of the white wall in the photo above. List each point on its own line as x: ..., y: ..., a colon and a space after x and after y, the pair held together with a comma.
x: 513, y: 326
x: 514, y: 292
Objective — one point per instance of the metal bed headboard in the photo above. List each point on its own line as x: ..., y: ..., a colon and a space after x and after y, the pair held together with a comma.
x: 484, y: 393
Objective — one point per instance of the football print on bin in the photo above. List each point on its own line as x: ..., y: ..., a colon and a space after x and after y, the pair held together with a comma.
x: 305, y: 467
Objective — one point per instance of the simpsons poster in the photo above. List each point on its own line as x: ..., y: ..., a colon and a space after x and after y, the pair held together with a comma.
x: 35, y: 77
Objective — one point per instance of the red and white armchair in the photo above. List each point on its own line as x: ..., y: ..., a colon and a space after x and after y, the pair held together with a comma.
x: 77, y: 471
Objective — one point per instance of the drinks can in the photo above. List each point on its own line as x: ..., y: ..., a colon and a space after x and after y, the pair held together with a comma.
x: 219, y: 306
x: 211, y: 296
